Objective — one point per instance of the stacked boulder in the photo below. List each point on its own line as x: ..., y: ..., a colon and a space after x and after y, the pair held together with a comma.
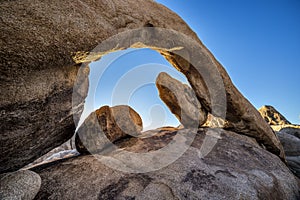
x: 105, y: 126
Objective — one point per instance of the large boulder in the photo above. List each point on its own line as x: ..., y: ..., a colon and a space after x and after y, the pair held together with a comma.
x: 235, y: 168
x: 23, y: 184
x: 39, y: 40
x: 290, y: 143
x: 272, y: 116
x: 290, y: 139
x: 291, y: 130
x: 105, y: 126
x: 181, y: 100
x: 294, y: 164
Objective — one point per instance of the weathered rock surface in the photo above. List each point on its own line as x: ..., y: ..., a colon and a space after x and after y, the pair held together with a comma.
x: 107, y: 125
x: 290, y: 143
x: 181, y: 100
x: 236, y: 168
x: 272, y: 116
x: 23, y: 184
x: 291, y: 130
x: 40, y: 117
x: 289, y: 137
x: 294, y: 164
x: 37, y: 70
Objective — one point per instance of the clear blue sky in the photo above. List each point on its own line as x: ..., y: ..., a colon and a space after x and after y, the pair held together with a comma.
x: 128, y: 78
x: 258, y: 42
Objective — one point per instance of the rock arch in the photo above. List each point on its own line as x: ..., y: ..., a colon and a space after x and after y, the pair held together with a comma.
x: 38, y: 41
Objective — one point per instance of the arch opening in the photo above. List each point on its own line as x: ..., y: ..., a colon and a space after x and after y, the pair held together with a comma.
x: 127, y: 77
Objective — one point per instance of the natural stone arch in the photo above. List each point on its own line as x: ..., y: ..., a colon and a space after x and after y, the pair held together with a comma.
x: 38, y: 71
x: 208, y: 78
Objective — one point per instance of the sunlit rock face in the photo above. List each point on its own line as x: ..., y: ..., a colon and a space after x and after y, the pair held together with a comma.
x: 38, y: 71
x: 107, y: 125
x: 272, y: 116
x: 229, y: 171
x: 181, y: 100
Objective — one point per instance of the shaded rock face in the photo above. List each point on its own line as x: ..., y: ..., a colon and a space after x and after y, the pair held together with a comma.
x: 23, y: 184
x: 272, y: 116
x: 106, y: 125
x: 41, y: 116
x: 295, y: 131
x: 37, y: 69
x: 229, y: 171
x: 290, y: 139
x: 63, y: 151
x: 294, y: 164
x: 181, y: 100
x: 290, y: 143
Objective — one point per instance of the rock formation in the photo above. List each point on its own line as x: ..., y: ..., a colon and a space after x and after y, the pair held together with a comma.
x: 215, y: 122
x: 23, y: 184
x: 36, y: 112
x: 181, y: 100
x: 38, y: 71
x: 292, y: 130
x: 288, y: 134
x: 290, y: 139
x: 44, y: 81
x: 63, y: 151
x: 106, y: 125
x: 272, y: 116
x: 236, y: 168
x: 290, y: 143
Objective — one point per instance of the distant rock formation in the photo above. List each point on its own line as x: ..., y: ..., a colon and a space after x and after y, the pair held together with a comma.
x: 272, y: 116
x: 236, y: 168
x: 22, y: 184
x: 107, y: 125
x: 181, y: 100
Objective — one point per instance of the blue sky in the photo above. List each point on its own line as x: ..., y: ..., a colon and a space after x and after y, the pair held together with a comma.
x: 128, y: 78
x: 258, y: 42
